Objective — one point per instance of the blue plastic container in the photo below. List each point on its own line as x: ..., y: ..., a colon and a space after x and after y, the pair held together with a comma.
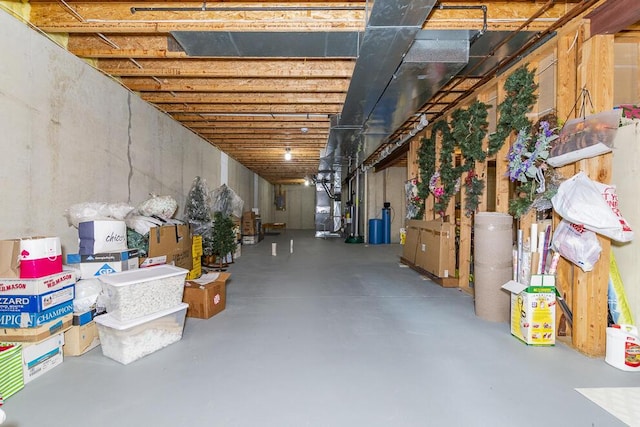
x: 386, y: 226
x: 375, y: 231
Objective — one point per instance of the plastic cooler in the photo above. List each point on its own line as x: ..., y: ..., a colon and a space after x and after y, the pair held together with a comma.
x: 126, y: 342
x: 137, y: 293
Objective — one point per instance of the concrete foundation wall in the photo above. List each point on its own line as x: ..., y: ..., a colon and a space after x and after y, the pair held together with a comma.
x: 299, y: 213
x: 72, y: 135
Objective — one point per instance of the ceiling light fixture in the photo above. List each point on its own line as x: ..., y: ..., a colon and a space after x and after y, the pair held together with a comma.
x: 287, y: 154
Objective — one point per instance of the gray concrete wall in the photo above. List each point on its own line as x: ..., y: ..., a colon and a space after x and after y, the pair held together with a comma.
x: 300, y: 210
x: 72, y: 135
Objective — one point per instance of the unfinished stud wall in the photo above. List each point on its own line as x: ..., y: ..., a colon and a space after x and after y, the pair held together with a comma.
x: 72, y: 135
x: 608, y: 69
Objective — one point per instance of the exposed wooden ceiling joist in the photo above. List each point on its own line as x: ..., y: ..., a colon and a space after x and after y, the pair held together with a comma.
x: 252, y: 108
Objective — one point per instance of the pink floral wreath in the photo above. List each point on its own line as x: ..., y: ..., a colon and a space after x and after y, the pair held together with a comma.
x: 438, y: 191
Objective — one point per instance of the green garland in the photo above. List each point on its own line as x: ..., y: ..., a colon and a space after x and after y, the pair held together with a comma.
x: 520, y: 97
x: 521, y: 203
x: 426, y: 166
x: 474, y: 186
x: 427, y: 160
x: 448, y: 174
x: 469, y: 130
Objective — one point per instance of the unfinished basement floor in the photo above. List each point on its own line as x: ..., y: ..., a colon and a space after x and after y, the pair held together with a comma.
x: 333, y: 334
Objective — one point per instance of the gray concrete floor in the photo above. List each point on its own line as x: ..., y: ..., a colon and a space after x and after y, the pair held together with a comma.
x: 334, y: 334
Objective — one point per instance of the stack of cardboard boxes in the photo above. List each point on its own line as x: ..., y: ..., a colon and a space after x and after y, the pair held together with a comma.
x: 430, y: 246
x: 36, y: 307
x: 251, y: 228
x: 38, y: 324
x: 102, y: 250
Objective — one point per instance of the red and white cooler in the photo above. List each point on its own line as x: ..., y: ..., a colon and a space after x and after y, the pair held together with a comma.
x: 40, y: 256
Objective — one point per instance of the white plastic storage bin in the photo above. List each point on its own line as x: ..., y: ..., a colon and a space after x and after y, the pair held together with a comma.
x: 126, y: 342
x: 136, y: 293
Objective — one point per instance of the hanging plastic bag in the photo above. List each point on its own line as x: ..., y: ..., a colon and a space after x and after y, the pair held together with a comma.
x: 583, y: 201
x: 577, y: 244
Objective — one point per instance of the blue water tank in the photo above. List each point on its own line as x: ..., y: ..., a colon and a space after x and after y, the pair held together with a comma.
x: 375, y: 231
x: 386, y: 225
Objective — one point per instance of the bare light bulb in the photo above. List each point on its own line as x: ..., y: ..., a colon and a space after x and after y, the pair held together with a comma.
x: 287, y: 154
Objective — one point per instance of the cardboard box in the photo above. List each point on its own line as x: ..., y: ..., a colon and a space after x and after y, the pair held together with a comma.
x: 170, y: 244
x: 94, y: 265
x: 410, y: 247
x: 10, y: 319
x: 36, y: 286
x: 96, y: 237
x: 35, y: 303
x: 435, y: 251
x: 11, y: 375
x: 10, y: 258
x: 36, y: 334
x: 83, y: 318
x: 80, y: 339
x: 207, y: 296
x: 39, y: 358
x: 250, y: 240
x: 533, y: 310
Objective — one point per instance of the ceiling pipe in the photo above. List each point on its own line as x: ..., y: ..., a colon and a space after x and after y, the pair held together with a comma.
x: 244, y: 8
x: 483, y: 8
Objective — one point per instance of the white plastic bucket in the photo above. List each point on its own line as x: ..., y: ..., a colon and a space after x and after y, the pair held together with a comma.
x: 623, y: 348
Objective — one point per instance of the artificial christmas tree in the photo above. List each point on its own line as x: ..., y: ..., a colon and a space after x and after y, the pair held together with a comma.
x: 223, y: 239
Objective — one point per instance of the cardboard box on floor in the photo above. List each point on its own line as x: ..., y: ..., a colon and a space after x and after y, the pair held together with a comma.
x: 411, y: 242
x: 80, y: 339
x: 207, y: 296
x: 170, y: 244
x: 38, y: 333
x: 432, y: 246
x: 39, y: 358
x: 533, y: 310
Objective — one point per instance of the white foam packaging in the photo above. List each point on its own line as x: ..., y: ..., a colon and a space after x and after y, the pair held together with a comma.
x: 136, y: 293
x: 126, y: 342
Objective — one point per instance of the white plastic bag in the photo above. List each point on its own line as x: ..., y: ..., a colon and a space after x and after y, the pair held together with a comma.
x: 161, y: 206
x: 583, y: 201
x: 577, y: 244
x: 142, y: 224
x: 94, y: 211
